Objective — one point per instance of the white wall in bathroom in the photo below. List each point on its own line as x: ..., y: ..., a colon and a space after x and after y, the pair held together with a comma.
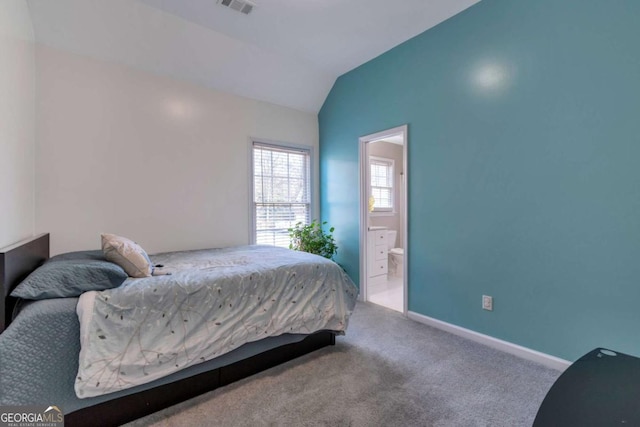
x: 393, y: 222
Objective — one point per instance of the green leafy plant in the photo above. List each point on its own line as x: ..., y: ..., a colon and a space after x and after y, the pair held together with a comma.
x: 312, y: 238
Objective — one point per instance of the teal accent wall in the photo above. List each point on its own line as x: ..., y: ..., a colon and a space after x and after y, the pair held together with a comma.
x: 524, y: 169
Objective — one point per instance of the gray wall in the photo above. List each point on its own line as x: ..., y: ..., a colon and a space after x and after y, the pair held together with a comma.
x: 17, y: 122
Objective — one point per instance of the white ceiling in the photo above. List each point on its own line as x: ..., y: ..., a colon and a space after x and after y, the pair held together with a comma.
x: 288, y: 52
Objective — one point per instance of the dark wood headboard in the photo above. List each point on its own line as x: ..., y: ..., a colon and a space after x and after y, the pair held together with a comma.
x: 16, y: 262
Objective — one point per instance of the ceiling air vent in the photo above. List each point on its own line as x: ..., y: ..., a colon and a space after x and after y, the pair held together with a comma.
x: 242, y: 6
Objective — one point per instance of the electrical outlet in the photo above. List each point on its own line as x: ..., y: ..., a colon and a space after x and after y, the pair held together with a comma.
x: 487, y: 302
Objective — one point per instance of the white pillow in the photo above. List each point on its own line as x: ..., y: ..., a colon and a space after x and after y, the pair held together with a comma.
x: 127, y: 254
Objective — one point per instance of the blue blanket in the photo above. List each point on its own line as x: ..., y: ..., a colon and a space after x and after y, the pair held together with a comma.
x: 35, y: 367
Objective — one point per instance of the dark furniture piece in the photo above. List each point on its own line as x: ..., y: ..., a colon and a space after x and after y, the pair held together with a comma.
x: 16, y: 262
x: 20, y: 259
x: 119, y: 411
x: 602, y: 388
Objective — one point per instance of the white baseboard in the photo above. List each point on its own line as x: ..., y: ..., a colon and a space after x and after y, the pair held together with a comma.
x: 517, y: 350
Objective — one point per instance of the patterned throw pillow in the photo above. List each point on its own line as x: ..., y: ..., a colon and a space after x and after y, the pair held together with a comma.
x: 127, y: 254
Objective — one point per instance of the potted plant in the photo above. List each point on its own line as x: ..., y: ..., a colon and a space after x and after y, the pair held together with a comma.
x: 312, y: 238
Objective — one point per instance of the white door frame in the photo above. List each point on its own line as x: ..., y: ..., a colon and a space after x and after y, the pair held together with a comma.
x: 364, y: 208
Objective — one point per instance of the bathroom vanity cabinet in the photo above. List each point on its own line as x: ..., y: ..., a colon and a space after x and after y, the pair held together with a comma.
x: 377, y: 254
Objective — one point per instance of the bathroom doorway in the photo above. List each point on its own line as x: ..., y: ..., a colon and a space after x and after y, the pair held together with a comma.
x: 383, y: 218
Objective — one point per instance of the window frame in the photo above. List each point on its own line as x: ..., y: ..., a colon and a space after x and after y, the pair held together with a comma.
x: 279, y: 145
x: 391, y: 164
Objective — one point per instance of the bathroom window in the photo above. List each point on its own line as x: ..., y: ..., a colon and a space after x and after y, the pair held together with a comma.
x: 381, y: 184
x: 281, y: 191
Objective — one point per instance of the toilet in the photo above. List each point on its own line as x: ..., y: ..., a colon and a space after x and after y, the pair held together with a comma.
x: 396, y: 255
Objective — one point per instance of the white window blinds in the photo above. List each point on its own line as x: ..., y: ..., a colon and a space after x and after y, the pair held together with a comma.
x: 281, y: 192
x: 382, y: 183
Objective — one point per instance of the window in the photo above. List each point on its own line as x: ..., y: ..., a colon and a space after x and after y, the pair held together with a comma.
x: 381, y: 184
x: 281, y: 191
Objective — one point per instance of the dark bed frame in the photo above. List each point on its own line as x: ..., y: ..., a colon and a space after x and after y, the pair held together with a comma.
x: 20, y: 259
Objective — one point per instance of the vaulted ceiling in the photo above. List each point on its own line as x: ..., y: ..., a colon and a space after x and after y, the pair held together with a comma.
x: 288, y: 52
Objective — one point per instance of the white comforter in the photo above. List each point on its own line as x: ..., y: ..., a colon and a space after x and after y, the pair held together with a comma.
x: 214, y: 301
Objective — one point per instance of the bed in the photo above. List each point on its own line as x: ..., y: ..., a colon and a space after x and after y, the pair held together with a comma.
x: 40, y: 346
